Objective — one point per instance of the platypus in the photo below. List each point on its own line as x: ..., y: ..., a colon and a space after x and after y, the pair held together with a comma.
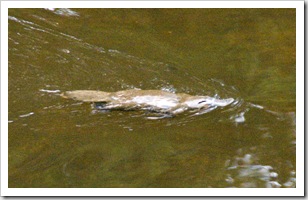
x: 151, y: 100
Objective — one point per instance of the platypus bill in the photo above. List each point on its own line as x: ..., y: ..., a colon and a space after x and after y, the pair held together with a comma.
x: 158, y: 101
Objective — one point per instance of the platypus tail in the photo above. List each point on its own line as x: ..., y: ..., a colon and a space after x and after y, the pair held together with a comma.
x: 87, y: 95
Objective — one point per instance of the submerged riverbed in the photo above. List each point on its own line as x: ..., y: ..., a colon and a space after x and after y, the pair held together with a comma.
x: 244, y: 54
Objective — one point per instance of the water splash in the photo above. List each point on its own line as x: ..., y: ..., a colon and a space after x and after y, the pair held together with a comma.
x: 50, y: 91
x: 26, y: 115
x: 63, y: 11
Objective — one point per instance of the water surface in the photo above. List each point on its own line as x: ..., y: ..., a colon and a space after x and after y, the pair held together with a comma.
x: 245, y: 54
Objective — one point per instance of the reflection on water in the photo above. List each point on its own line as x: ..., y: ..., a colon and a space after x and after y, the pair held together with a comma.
x: 244, y: 54
x: 249, y: 175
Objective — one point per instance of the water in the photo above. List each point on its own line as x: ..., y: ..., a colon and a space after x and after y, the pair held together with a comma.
x: 245, y: 54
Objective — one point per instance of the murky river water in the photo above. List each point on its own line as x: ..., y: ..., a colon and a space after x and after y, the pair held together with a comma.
x: 245, y: 54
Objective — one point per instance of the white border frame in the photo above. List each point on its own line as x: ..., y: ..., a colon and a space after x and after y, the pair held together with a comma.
x: 298, y: 191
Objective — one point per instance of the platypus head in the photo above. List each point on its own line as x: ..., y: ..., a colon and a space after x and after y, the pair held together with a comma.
x: 205, y: 102
x: 197, y: 103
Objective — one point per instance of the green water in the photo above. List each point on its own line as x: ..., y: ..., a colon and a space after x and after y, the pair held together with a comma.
x: 246, y: 54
